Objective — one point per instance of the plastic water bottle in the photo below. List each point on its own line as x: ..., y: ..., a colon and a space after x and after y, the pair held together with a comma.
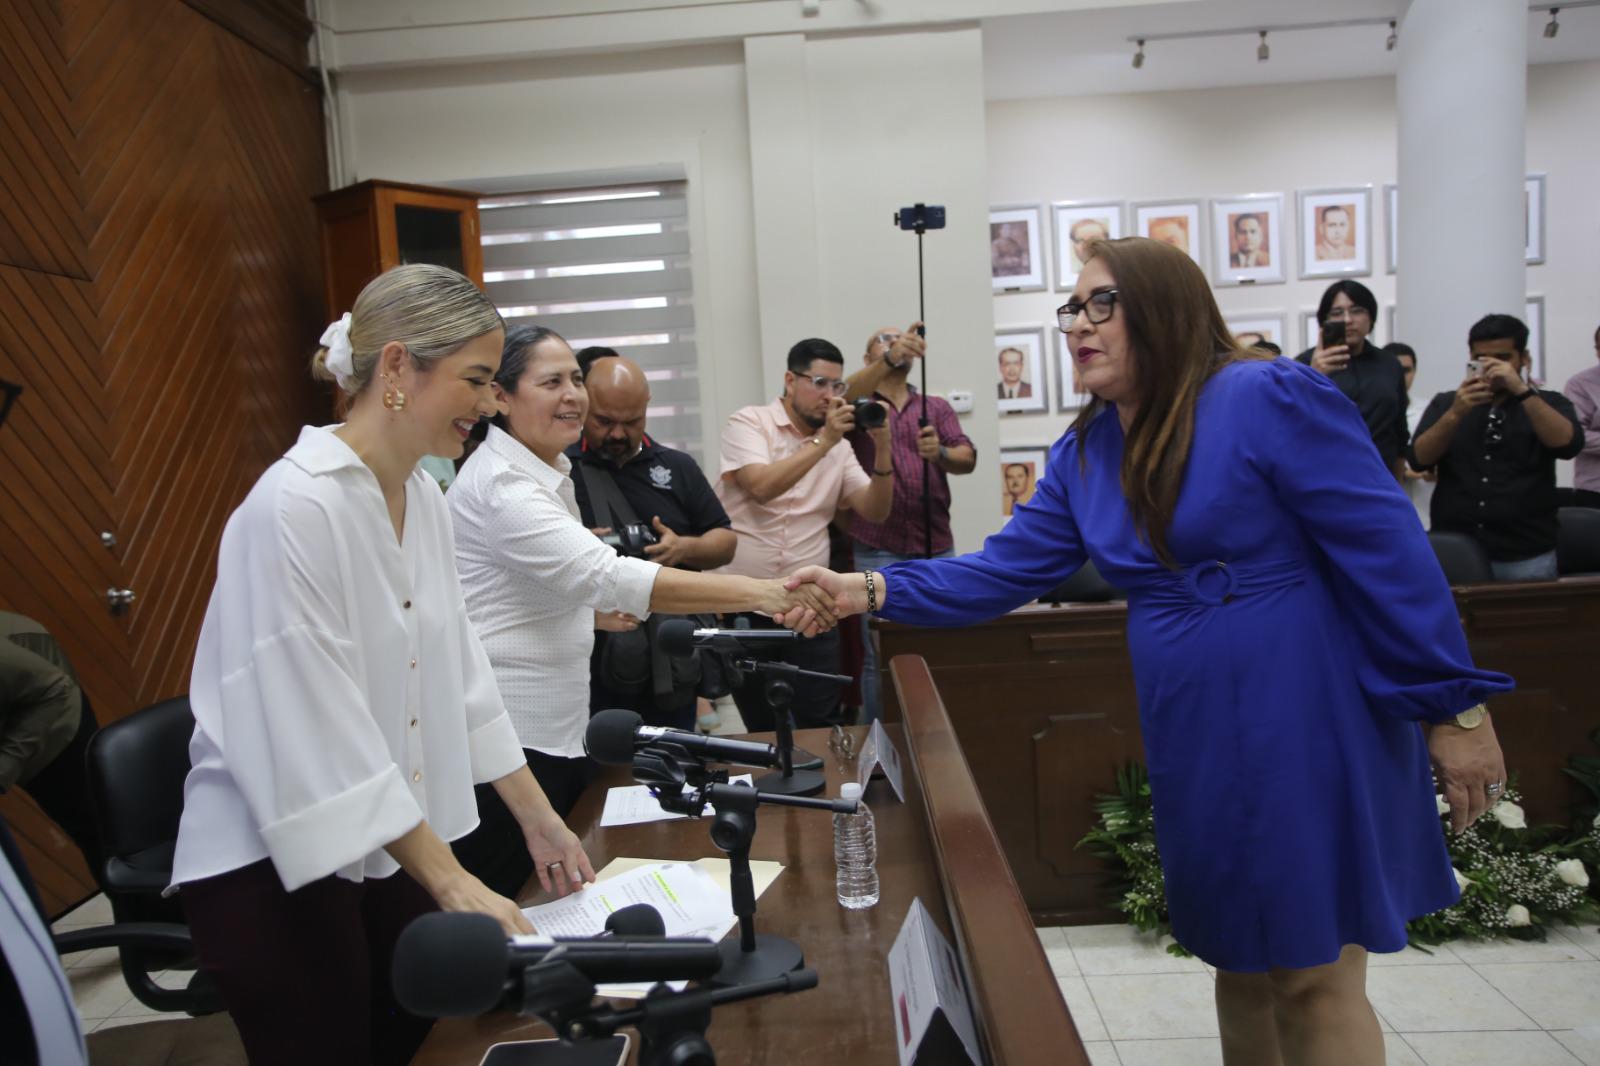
x: 855, y: 852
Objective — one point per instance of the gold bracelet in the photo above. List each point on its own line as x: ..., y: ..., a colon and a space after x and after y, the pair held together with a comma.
x: 872, y: 590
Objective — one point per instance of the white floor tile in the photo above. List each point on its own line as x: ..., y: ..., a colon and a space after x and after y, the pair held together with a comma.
x: 1121, y: 949
x: 99, y: 992
x: 127, y: 1019
x: 1434, y: 955
x: 1193, y: 1052
x: 95, y: 911
x: 1396, y: 1052
x: 1557, y: 995
x: 98, y: 958
x: 1085, y: 1015
x: 1057, y: 950
x: 1489, y: 1049
x: 134, y: 1009
x: 1556, y: 948
x: 1102, y: 1053
x: 1583, y: 1043
x: 1156, y: 1006
x: 1441, y: 999
x: 1586, y: 937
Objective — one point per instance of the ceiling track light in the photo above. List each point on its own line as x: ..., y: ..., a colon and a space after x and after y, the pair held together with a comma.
x: 1394, y: 38
x: 1553, y: 27
x: 1138, y: 57
x: 1263, y: 53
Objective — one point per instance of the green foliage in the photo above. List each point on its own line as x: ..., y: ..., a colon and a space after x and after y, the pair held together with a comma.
x: 1511, y: 883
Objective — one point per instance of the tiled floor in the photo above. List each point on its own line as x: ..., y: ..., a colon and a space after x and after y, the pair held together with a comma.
x: 1501, y: 1004
x: 1495, y: 1004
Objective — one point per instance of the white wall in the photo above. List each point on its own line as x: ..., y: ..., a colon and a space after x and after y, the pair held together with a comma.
x: 785, y: 243
x: 1221, y: 142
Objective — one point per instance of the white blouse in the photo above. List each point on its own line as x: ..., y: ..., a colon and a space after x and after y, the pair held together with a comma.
x: 340, y: 694
x: 533, y: 577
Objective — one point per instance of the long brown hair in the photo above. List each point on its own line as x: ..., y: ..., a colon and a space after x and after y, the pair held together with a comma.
x: 1177, y: 339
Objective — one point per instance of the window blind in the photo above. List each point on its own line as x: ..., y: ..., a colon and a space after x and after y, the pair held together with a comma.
x: 605, y: 266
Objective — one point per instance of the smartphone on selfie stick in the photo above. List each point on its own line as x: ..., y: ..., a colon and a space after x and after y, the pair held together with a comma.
x: 919, y: 219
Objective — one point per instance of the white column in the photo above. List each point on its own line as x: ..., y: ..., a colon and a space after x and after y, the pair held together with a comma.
x: 1461, y: 95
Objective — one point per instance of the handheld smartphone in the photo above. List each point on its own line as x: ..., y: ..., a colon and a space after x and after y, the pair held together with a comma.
x: 1332, y: 333
x: 1475, y: 367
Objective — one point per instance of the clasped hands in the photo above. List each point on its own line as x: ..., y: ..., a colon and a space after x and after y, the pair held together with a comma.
x: 814, y: 599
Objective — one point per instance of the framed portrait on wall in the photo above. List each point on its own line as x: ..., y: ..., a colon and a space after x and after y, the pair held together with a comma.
x: 1534, y: 317
x: 1533, y: 217
x: 1070, y: 395
x: 1248, y: 327
x: 1076, y: 224
x: 1310, y: 333
x: 1020, y: 471
x: 1336, y: 232
x: 1016, y: 248
x: 1179, y: 223
x: 1247, y: 241
x: 1021, y: 381
x: 1391, y: 218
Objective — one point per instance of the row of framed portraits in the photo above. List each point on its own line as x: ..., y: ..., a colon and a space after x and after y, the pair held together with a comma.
x: 1024, y: 355
x: 1237, y: 240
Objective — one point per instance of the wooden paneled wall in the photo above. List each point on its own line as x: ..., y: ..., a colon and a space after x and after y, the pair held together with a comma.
x: 159, y: 281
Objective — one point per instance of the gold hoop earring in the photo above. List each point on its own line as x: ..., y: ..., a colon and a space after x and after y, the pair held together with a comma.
x: 393, y: 399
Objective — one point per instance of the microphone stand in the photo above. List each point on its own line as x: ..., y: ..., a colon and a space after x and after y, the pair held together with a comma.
x: 786, y: 780
x: 682, y: 784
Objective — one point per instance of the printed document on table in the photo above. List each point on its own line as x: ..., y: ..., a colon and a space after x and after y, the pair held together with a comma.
x: 632, y: 804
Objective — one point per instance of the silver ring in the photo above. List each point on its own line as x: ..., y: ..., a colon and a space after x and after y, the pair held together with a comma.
x: 552, y: 865
x: 1493, y: 787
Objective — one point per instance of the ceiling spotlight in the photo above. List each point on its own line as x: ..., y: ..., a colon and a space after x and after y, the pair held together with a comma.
x: 1394, y: 38
x: 1263, y: 53
x: 1553, y: 27
x: 1138, y: 57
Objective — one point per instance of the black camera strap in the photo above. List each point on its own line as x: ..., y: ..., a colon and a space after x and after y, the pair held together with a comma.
x: 605, y: 496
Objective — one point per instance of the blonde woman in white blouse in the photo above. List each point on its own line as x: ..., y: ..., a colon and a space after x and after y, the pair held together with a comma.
x: 535, y: 578
x: 344, y: 707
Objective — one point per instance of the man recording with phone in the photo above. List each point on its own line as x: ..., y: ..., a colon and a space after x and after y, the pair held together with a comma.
x: 1367, y: 373
x: 784, y: 479
x: 651, y: 501
x: 925, y: 435
x: 1495, y: 441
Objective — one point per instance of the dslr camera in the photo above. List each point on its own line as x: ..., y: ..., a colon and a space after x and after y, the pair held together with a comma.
x: 869, y: 414
x: 631, y: 539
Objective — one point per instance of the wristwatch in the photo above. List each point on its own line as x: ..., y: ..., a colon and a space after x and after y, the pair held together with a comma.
x: 1517, y: 398
x: 1472, y: 717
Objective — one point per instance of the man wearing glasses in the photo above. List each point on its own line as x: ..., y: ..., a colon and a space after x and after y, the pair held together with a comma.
x: 1495, y: 441
x: 784, y: 478
x: 1367, y: 373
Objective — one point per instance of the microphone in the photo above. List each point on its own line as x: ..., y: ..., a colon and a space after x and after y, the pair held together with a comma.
x: 678, y: 637
x: 612, y: 737
x: 637, y: 919
x: 459, y: 964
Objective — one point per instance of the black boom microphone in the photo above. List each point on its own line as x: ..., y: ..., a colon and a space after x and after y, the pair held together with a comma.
x: 679, y: 637
x: 614, y: 735
x: 454, y: 964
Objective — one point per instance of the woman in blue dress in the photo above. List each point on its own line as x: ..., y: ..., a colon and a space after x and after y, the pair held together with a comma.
x: 1297, y: 653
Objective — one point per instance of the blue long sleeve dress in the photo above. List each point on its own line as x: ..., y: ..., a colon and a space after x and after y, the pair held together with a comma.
x: 1282, y: 670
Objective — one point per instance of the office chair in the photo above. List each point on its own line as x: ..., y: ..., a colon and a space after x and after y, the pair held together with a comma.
x: 1084, y: 586
x: 1578, y: 541
x: 136, y: 772
x: 1463, y: 559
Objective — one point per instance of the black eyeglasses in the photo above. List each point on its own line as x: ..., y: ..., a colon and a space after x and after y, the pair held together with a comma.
x: 1097, y: 307
x: 1494, y: 431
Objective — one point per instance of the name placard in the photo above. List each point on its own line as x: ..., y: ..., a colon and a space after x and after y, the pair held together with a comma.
x: 926, y: 988
x: 879, y: 750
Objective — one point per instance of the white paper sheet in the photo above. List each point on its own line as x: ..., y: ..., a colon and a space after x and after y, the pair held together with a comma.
x: 633, y: 804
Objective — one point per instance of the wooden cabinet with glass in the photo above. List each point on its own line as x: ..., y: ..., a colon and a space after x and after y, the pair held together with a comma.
x: 374, y: 225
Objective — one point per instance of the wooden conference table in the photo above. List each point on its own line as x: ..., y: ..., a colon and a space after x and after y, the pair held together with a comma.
x: 937, y: 846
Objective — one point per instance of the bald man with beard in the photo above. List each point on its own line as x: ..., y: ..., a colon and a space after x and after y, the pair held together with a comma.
x: 665, y: 490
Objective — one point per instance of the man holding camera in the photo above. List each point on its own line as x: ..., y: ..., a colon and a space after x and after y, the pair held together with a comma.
x: 1495, y: 440
x: 940, y: 448
x: 1366, y: 372
x: 784, y: 479
x: 652, y: 502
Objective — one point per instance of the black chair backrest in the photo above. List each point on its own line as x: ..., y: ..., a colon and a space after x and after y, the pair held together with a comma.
x: 1578, y: 541
x: 1462, y: 558
x: 1084, y: 586
x: 136, y: 768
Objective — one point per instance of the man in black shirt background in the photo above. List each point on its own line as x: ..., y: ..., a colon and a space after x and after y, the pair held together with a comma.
x: 1367, y: 373
x: 666, y: 492
x: 1496, y: 440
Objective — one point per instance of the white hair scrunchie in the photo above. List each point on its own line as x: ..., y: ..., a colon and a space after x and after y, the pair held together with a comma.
x: 340, y: 360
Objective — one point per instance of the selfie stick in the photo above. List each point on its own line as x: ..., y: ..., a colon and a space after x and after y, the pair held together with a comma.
x: 920, y: 227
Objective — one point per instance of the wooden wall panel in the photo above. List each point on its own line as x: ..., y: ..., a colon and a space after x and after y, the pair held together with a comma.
x: 159, y: 301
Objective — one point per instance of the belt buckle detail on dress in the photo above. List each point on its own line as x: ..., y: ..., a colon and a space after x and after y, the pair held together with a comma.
x: 1191, y: 579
